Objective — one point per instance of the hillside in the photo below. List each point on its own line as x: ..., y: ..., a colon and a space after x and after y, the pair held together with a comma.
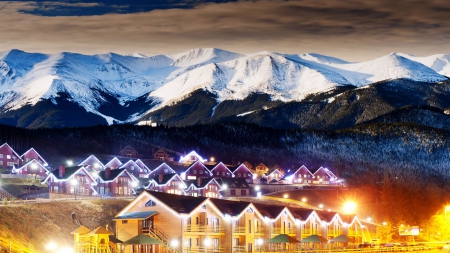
x: 35, y: 225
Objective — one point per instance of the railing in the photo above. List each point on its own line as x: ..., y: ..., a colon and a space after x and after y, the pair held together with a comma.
x: 239, y: 230
x: 204, y: 228
x: 353, y: 232
x: 160, y: 235
x: 239, y: 249
x: 358, y: 250
x: 334, y: 232
x: 11, y: 247
x: 283, y: 231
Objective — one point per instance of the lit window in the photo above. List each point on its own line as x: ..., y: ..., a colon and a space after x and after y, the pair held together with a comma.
x: 8, y: 157
x: 195, y: 171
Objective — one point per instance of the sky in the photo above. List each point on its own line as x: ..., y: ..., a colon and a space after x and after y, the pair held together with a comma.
x: 353, y: 30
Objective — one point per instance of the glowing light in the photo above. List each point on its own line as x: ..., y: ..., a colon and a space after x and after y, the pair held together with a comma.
x: 259, y: 241
x: 69, y: 163
x: 227, y: 217
x: 174, y: 243
x: 207, y: 242
x: 257, y: 188
x: 34, y: 166
x: 212, y: 159
x: 369, y: 219
x: 51, y: 246
x: 304, y: 200
x: 349, y: 207
x: 74, y: 182
x: 384, y: 223
x: 285, y: 196
x: 224, y: 186
x: 134, y: 184
x: 320, y: 206
x: 258, y: 194
x: 65, y: 250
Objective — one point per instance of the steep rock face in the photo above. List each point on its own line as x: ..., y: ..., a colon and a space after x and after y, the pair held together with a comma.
x: 120, y: 89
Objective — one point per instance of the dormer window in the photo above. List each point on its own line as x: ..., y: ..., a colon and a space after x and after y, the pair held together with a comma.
x: 150, y: 203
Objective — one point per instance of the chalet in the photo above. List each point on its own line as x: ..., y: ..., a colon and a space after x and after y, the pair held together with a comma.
x: 320, y: 176
x: 142, y: 165
x: 191, y: 158
x: 248, y: 165
x: 162, y: 155
x: 279, y: 168
x: 162, y: 169
x: 261, y: 169
x: 9, y: 157
x: 168, y: 183
x: 204, y: 187
x: 333, y: 178
x: 241, y: 171
x: 234, y: 187
x: 274, y: 176
x: 220, y: 170
x: 199, y: 224
x: 301, y: 176
x: 114, y: 163
x: 74, y: 180
x: 118, y: 182
x: 196, y: 170
x: 32, y: 167
x: 129, y: 151
x: 33, y: 154
x: 134, y: 169
x: 93, y: 162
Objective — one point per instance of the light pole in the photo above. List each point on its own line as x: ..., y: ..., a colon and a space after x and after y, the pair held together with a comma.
x: 74, y: 182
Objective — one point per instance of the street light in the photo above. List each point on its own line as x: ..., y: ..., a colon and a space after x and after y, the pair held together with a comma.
x: 349, y: 207
x: 304, y: 200
x: 69, y: 163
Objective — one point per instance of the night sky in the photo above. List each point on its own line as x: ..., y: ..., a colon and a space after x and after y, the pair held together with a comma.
x: 353, y: 30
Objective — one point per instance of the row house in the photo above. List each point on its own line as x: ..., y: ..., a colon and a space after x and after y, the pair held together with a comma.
x: 32, y: 154
x: 8, y: 157
x: 234, y: 187
x: 74, y: 180
x: 118, y: 182
x: 168, y: 183
x: 220, y: 170
x: 302, y: 175
x: 205, y: 187
x: 200, y: 224
x: 241, y: 171
x: 32, y: 167
x: 273, y: 176
x: 129, y: 151
x: 196, y: 170
x: 93, y: 163
x: 136, y: 170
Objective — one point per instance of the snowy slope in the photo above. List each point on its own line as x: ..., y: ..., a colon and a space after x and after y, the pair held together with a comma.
x: 438, y: 62
x: 91, y: 80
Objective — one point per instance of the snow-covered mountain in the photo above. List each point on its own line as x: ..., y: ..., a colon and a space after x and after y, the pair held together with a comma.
x: 134, y: 85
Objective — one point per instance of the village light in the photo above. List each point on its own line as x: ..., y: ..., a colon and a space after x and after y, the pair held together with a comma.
x: 33, y: 166
x: 65, y: 250
x: 258, y: 194
x: 69, y: 163
x: 304, y: 200
x: 224, y: 186
x: 259, y: 242
x: 51, y: 246
x: 285, y: 196
x: 174, y: 243
x: 134, y: 184
x: 207, y: 242
x: 320, y: 206
x: 384, y: 223
x: 369, y: 219
x: 349, y: 207
x: 257, y: 188
x: 212, y: 159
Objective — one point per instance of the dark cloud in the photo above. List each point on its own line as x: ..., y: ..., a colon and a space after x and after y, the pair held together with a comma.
x: 101, y: 7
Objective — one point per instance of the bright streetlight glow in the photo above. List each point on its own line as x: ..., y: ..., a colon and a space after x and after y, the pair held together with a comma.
x: 320, y: 206
x: 257, y: 188
x: 285, y: 196
x: 65, y: 250
x: 259, y: 241
x: 207, y: 242
x: 369, y: 219
x: 212, y: 159
x: 224, y: 186
x: 349, y: 207
x: 258, y: 194
x: 51, y: 246
x: 69, y: 163
x: 74, y: 181
x: 304, y: 200
x: 134, y: 184
x: 174, y: 243
x: 384, y: 223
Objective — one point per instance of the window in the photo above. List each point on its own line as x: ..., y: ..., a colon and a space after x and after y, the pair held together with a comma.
x: 195, y: 171
x: 166, y: 170
x: 1, y: 155
x: 124, y: 221
x: 25, y: 169
x: 150, y: 203
x: 201, y: 172
x: 132, y: 167
x: 8, y: 157
x: 239, y: 174
x: 223, y: 173
x: 249, y: 226
x: 1, y: 162
x: 10, y: 163
x: 217, y: 173
x: 141, y: 170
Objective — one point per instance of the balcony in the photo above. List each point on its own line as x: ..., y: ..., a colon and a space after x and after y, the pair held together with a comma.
x: 354, y: 233
x: 283, y: 231
x: 204, y: 229
x: 306, y: 231
x: 239, y: 230
x: 243, y: 230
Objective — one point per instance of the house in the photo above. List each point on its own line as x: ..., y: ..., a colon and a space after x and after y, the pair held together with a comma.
x: 32, y: 167
x: 162, y: 169
x: 241, y: 171
x: 74, y: 180
x: 93, y: 162
x: 134, y: 169
x: 274, y: 176
x: 204, y: 187
x: 169, y: 183
x: 234, y: 187
x: 118, y: 182
x: 129, y: 151
x: 320, y: 176
x: 114, y: 163
x: 9, y: 157
x: 162, y: 155
x: 199, y: 224
x: 301, y: 176
x: 279, y: 168
x: 196, y: 170
x: 248, y: 165
x: 220, y: 170
x: 142, y: 165
x: 191, y: 157
x: 33, y: 154
x: 261, y: 169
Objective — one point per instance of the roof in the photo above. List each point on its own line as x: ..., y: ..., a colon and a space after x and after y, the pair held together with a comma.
x: 165, y: 178
x: 234, y: 168
x: 113, y: 174
x: 232, y: 208
x: 204, y: 183
x: 179, y: 203
x: 100, y: 231
x: 233, y: 182
x: 81, y: 230
x: 142, y: 240
x: 269, y: 211
x: 69, y: 172
x: 135, y: 215
x: 18, y: 156
x: 32, y: 149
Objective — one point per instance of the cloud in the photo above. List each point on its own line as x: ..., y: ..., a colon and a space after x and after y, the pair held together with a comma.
x: 350, y: 29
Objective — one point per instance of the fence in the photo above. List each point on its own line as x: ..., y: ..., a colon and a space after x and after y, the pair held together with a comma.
x: 7, y: 246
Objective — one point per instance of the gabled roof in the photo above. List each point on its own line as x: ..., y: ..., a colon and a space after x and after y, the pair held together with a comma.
x: 326, y: 216
x: 127, y: 147
x: 163, y: 164
x: 81, y: 230
x: 193, y: 164
x: 275, y: 171
x: 301, y: 214
x: 204, y: 183
x: 127, y: 163
x: 18, y: 156
x: 113, y: 174
x: 166, y: 179
x: 100, y: 231
x: 142, y: 165
x: 95, y: 158
x: 35, y: 162
x: 302, y: 168
x: 70, y: 172
x: 321, y: 169
x: 232, y: 208
x: 269, y: 211
x: 192, y: 153
x: 114, y: 159
x: 331, y: 174
x: 234, y: 168
x: 219, y: 164
x: 40, y: 157
x: 178, y: 203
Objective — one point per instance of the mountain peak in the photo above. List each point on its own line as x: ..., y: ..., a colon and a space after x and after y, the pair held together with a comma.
x: 203, y: 56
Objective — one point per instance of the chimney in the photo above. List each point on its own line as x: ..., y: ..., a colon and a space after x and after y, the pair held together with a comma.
x: 62, y: 170
x: 199, y: 181
x: 107, y: 173
x: 161, y: 178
